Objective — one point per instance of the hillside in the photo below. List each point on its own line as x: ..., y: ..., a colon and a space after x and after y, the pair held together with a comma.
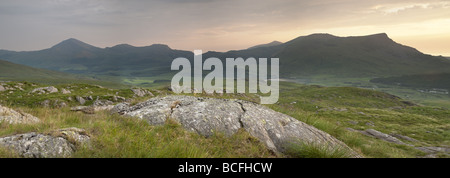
x: 373, y: 55
x: 423, y: 81
x: 16, y: 72
x: 351, y: 115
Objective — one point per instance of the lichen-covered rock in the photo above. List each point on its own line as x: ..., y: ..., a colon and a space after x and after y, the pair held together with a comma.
x: 45, y: 90
x: 208, y: 115
x: 13, y: 117
x: 60, y: 143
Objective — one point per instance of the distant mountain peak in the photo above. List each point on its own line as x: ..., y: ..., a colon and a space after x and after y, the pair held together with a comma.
x: 72, y: 43
x: 273, y: 43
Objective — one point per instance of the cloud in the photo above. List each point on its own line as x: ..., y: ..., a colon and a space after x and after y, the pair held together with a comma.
x: 217, y: 24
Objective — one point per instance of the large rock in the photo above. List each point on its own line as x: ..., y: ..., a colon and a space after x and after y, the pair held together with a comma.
x: 13, y: 117
x: 2, y: 88
x: 45, y: 90
x: 141, y: 92
x: 80, y: 100
x: 59, y: 143
x: 208, y: 115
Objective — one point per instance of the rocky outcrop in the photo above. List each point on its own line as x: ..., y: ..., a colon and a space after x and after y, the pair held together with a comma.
x: 59, y: 143
x: 382, y: 136
x: 13, y: 117
x: 64, y: 91
x: 45, y: 90
x: 208, y: 115
x: 141, y: 92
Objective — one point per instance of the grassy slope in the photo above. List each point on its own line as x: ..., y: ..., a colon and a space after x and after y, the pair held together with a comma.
x: 16, y: 72
x: 327, y: 108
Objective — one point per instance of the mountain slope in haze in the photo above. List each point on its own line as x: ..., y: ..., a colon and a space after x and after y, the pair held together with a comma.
x: 273, y: 43
x: 362, y: 56
x: 427, y: 81
x: 75, y: 56
x: 373, y: 55
x: 16, y: 72
x: 317, y: 54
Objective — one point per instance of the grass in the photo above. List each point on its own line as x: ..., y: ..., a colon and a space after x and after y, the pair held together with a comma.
x: 115, y: 136
x: 331, y: 109
x: 302, y: 150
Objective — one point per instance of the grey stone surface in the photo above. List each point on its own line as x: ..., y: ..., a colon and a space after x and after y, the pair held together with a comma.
x: 59, y: 143
x: 404, y: 137
x: 2, y: 88
x: 13, y: 117
x: 80, y: 100
x: 141, y: 92
x: 382, y: 136
x: 45, y: 90
x: 64, y: 91
x: 208, y: 115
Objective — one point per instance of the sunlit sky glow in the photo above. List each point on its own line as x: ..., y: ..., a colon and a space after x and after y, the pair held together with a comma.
x: 220, y: 25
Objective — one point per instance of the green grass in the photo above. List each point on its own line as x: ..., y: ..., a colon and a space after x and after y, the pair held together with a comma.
x: 122, y: 137
x: 301, y: 150
x: 331, y: 109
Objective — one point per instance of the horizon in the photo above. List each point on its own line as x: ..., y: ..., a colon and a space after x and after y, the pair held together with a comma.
x: 220, y: 26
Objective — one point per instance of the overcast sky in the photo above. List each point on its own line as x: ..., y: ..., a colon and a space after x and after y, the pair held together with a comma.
x: 219, y: 25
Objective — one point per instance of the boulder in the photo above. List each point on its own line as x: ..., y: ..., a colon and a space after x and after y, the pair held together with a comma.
x: 59, y: 143
x: 2, y: 88
x: 80, y: 100
x: 13, y: 117
x: 141, y: 92
x: 64, y: 91
x: 45, y: 90
x: 207, y: 116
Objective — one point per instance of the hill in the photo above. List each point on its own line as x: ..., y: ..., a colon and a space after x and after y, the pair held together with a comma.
x: 16, y: 72
x: 423, y: 81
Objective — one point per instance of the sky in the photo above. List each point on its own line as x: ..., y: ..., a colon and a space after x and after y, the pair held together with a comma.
x: 220, y: 25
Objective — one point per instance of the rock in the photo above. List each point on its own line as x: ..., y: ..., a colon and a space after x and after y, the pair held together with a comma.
x: 64, y: 91
x: 45, y: 103
x: 370, y: 123
x: 59, y: 143
x: 2, y: 88
x: 121, y: 108
x: 80, y: 100
x: 353, y: 122
x: 382, y: 136
x: 13, y: 117
x: 207, y: 116
x: 404, y: 137
x: 433, y: 150
x: 45, y: 90
x: 84, y: 109
x: 141, y: 92
x: 102, y: 103
x: 89, y: 98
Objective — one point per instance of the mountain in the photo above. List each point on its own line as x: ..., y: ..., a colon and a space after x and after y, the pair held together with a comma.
x: 273, y: 43
x: 317, y: 54
x: 373, y: 55
x: 75, y: 56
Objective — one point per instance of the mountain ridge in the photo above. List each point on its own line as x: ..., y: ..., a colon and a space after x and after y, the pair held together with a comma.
x: 374, y: 55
